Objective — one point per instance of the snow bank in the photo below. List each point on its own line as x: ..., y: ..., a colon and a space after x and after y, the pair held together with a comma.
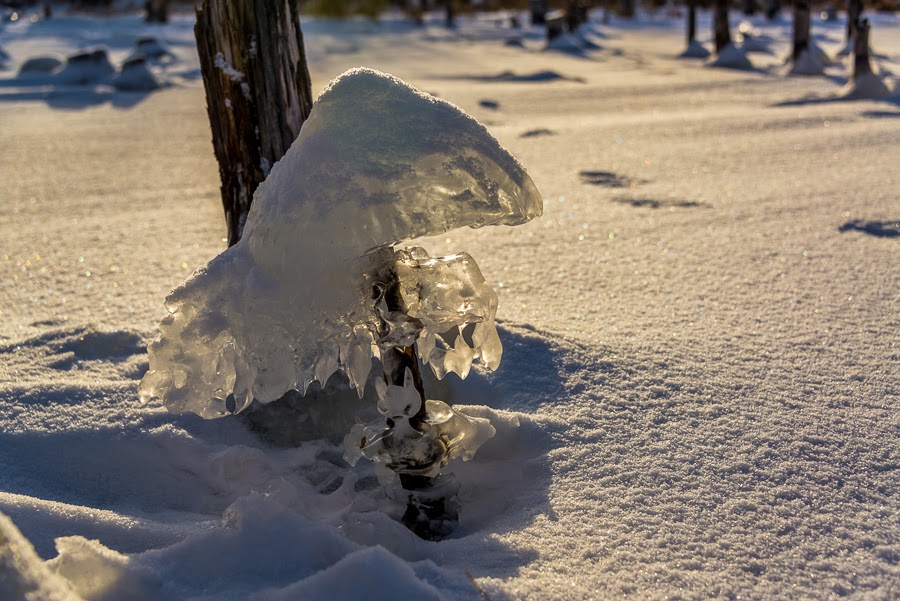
x: 376, y: 163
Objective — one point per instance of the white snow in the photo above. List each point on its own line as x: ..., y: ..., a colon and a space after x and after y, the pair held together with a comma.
x: 698, y: 396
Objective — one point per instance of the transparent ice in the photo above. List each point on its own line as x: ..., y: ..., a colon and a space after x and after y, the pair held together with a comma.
x: 302, y: 294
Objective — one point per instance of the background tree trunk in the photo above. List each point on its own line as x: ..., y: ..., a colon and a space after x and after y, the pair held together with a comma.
x: 750, y: 7
x: 854, y: 12
x: 449, y: 14
x: 156, y: 11
x: 691, y: 21
x: 721, y: 31
x: 801, y: 28
x: 861, y: 65
x: 538, y: 10
x: 257, y: 92
x: 626, y: 8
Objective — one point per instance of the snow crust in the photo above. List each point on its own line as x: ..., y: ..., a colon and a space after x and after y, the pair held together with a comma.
x: 376, y: 163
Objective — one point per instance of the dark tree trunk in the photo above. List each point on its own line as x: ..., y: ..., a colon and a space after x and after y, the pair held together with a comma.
x: 156, y: 11
x: 772, y: 9
x: 861, y: 65
x: 750, y: 7
x: 626, y: 8
x: 538, y: 10
x: 801, y: 28
x: 691, y: 22
x: 854, y: 12
x: 556, y: 24
x: 416, y: 11
x: 449, y: 13
x: 576, y: 14
x: 257, y: 92
x: 721, y: 31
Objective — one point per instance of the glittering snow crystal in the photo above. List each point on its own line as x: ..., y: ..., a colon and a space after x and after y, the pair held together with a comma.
x: 302, y: 294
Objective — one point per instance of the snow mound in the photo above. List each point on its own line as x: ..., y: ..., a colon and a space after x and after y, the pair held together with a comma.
x: 302, y: 293
x: 695, y: 50
x: 135, y: 76
x: 22, y: 573
x: 731, y: 57
x: 151, y: 48
x: 568, y: 43
x: 39, y: 65
x: 868, y: 86
x: 807, y: 64
x: 750, y: 43
x: 88, y: 67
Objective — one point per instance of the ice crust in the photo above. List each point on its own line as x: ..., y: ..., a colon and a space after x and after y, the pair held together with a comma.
x: 377, y: 163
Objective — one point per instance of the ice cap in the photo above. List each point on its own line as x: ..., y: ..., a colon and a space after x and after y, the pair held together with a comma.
x: 376, y: 163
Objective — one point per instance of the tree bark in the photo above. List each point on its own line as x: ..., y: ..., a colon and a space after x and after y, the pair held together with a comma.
x: 861, y: 65
x: 854, y: 12
x: 721, y: 31
x: 801, y: 28
x: 626, y: 8
x: 750, y: 7
x: 257, y: 92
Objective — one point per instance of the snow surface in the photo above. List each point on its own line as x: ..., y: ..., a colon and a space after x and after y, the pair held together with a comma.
x: 699, y: 390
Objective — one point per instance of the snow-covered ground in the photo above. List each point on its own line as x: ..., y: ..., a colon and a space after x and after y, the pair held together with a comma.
x: 700, y: 387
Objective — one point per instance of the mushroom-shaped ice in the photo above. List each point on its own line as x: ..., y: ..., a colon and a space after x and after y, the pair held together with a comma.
x: 376, y: 163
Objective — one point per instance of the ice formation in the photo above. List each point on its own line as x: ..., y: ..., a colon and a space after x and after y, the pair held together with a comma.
x: 305, y: 291
x: 422, y: 449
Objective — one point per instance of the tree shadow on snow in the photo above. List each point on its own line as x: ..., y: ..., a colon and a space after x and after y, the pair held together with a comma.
x: 652, y: 203
x: 545, y: 76
x: 609, y: 179
x: 77, y: 99
x: 880, y: 114
x: 879, y: 229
